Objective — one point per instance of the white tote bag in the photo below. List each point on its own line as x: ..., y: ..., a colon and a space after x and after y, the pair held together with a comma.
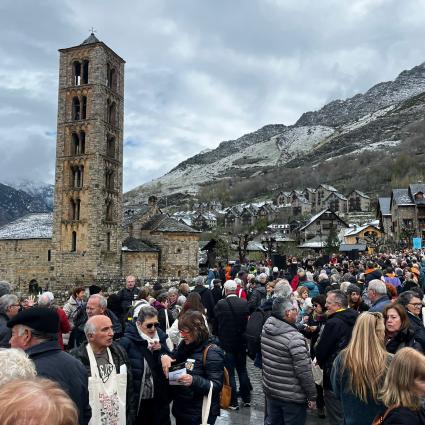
x: 206, y: 405
x: 107, y: 400
x: 169, y: 343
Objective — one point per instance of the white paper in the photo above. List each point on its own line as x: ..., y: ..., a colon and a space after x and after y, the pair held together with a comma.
x: 174, y: 375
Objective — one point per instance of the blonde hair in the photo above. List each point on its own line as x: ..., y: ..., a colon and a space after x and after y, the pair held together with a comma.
x: 365, y: 357
x: 407, y: 366
x: 36, y: 402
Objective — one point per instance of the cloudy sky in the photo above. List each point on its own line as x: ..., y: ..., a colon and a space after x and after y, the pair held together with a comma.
x: 198, y: 71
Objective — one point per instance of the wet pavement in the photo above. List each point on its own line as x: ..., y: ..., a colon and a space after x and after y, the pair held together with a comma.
x: 254, y: 415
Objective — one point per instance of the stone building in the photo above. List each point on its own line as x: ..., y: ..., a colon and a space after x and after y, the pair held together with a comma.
x: 89, y: 237
x: 322, y: 193
x: 384, y: 216
x: 358, y: 201
x: 336, y: 202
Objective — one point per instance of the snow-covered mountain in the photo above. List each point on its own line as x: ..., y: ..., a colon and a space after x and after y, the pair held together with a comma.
x: 15, y: 203
x: 373, y: 121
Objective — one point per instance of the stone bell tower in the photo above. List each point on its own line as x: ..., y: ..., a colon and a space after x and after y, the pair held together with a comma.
x: 89, y: 163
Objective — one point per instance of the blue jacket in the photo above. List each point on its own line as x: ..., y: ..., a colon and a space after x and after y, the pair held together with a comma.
x: 53, y: 363
x: 379, y: 305
x: 137, y: 351
x: 313, y: 289
x: 355, y: 411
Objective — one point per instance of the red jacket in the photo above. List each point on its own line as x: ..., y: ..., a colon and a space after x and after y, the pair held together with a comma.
x: 64, y: 326
x: 240, y: 292
x: 295, y: 282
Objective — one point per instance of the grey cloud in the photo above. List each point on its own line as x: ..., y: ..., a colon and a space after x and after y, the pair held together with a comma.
x: 198, y: 72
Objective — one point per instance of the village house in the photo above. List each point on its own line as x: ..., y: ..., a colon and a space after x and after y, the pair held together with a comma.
x: 336, y: 202
x: 358, y: 201
x: 383, y: 214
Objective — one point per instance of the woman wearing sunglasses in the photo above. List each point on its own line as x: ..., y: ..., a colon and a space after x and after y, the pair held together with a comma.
x: 145, y: 343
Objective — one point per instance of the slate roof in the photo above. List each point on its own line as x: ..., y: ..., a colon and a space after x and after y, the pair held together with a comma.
x: 402, y: 197
x: 417, y: 187
x: 91, y: 39
x: 315, y: 217
x: 132, y: 213
x: 164, y: 223
x: 31, y: 226
x: 315, y: 242
x: 385, y: 206
x: 137, y: 245
x: 362, y: 194
x: 355, y: 231
x: 338, y: 195
x: 328, y: 187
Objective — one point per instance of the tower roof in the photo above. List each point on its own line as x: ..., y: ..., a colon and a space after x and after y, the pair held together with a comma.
x: 90, y: 40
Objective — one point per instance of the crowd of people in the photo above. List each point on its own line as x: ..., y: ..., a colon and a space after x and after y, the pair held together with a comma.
x: 344, y: 338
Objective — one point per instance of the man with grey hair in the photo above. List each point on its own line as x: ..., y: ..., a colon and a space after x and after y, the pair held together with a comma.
x: 377, y: 294
x: 96, y: 305
x: 15, y: 364
x: 335, y: 337
x: 9, y: 307
x: 127, y: 295
x: 206, y: 296
x: 108, y: 368
x: 287, y: 377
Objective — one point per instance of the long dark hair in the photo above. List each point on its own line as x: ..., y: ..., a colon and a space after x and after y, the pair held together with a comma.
x: 193, y: 303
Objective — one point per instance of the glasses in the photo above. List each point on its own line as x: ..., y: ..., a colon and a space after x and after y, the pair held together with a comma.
x: 315, y: 305
x: 151, y: 325
x: 416, y: 305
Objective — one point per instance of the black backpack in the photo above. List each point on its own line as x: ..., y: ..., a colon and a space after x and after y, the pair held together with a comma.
x: 254, y: 327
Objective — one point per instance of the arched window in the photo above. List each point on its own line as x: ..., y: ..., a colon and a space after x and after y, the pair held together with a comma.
x: 82, y: 142
x: 77, y: 177
x: 72, y: 209
x: 77, y: 209
x: 110, y: 148
x: 74, y: 241
x: 109, y: 210
x: 111, y: 113
x: 77, y: 73
x: 110, y: 77
x: 108, y: 241
x: 85, y: 72
x: 84, y: 107
x: 109, y: 179
x: 76, y: 112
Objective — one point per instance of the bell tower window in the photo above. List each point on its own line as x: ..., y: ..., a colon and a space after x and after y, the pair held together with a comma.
x: 77, y: 73
x: 74, y: 241
x: 76, y: 113
x: 84, y: 107
x: 111, y: 113
x: 78, y: 143
x: 77, y: 177
x: 108, y: 210
x: 110, y: 148
x: 85, y: 72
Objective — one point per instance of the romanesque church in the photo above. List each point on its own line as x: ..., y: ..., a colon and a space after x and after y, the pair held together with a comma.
x: 90, y: 236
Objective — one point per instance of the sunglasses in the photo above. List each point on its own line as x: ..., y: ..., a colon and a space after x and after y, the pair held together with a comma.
x: 151, y: 325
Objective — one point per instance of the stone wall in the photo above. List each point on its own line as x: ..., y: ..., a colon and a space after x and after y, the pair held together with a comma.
x: 178, y: 253
x: 22, y: 261
x: 140, y: 264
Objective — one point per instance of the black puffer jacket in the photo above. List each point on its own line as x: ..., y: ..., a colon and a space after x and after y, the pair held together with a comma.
x: 207, y: 300
x: 187, y: 406
x: 137, y: 350
x: 404, y: 338
x: 257, y: 297
x: 335, y: 337
x: 404, y: 416
x: 119, y: 356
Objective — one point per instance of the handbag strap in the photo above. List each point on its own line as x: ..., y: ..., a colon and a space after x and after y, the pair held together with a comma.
x: 204, y: 355
x: 206, y: 405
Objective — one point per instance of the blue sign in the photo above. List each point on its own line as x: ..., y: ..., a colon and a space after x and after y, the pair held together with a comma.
x: 417, y: 243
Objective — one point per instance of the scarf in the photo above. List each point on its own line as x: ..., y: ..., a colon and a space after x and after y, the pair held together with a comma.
x: 148, y: 339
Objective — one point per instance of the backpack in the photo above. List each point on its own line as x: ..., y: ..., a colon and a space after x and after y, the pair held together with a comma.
x: 254, y: 327
x: 226, y: 389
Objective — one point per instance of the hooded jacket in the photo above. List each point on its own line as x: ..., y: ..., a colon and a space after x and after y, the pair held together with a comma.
x: 313, y: 289
x: 287, y: 374
x: 335, y: 337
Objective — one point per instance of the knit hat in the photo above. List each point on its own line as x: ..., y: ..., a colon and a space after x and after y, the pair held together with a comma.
x: 353, y: 288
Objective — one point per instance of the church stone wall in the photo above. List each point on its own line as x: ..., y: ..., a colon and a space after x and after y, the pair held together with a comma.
x: 22, y: 261
x: 178, y: 253
x: 143, y: 265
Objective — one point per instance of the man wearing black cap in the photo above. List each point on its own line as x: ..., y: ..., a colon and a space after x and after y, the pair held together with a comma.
x: 35, y: 331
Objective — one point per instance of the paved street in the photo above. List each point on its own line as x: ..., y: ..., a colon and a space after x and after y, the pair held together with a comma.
x: 254, y: 415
